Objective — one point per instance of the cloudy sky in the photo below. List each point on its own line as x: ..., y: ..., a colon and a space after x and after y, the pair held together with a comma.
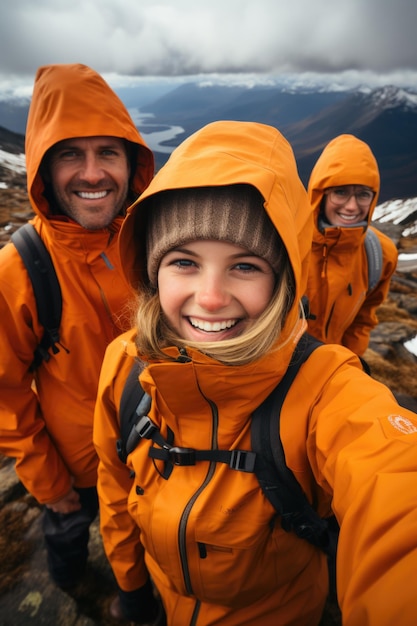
x: 374, y: 39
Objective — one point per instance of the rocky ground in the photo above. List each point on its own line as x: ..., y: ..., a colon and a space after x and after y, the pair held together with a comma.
x: 26, y: 595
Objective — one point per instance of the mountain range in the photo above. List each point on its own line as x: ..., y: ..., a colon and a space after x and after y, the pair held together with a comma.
x: 386, y: 118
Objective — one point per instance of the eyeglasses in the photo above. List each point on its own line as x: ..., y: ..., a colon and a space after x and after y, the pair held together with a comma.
x: 341, y: 195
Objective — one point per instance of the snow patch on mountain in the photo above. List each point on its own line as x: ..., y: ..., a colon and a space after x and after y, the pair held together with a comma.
x: 391, y: 97
x: 14, y: 162
x: 399, y: 212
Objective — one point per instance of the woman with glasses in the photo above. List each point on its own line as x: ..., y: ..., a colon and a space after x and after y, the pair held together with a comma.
x: 343, y: 191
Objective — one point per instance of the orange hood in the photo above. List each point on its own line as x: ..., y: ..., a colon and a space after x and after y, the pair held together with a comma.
x: 74, y: 101
x: 346, y: 160
x: 227, y: 153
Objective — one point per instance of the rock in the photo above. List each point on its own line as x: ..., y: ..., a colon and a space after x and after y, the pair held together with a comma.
x: 406, y: 301
x: 388, y: 340
x: 390, y: 362
x: 393, y: 231
x: 27, y: 594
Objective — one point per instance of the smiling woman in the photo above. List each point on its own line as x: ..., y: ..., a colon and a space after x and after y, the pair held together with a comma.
x: 343, y: 190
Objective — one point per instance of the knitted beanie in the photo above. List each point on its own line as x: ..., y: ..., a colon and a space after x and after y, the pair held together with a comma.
x: 233, y: 213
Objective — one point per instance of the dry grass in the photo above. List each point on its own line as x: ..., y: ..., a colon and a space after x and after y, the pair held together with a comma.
x: 391, y: 312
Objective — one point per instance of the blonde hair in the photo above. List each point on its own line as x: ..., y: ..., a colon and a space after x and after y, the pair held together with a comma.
x: 154, y: 333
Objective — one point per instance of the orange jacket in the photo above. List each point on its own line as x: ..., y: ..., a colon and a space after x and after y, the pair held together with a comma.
x: 344, y: 310
x: 49, y: 431
x: 206, y: 534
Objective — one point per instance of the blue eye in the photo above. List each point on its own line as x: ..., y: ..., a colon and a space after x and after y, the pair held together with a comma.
x: 183, y: 262
x: 246, y: 267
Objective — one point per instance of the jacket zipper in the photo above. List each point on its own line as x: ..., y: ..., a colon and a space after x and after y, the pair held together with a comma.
x: 182, y: 530
x: 195, y: 614
x: 324, y: 265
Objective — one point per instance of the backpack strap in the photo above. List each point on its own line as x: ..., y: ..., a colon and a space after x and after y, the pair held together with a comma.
x: 277, y: 481
x: 131, y: 397
x: 374, y: 254
x: 45, y: 286
x: 135, y: 425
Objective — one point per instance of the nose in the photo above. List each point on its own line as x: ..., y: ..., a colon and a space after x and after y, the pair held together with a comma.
x: 212, y: 294
x: 91, y: 171
x: 351, y: 202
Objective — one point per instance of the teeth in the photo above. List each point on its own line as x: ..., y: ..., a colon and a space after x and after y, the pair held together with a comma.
x: 92, y: 195
x: 349, y: 217
x: 212, y: 327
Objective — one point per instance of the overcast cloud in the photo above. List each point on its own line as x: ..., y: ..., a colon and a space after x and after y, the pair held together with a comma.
x: 189, y: 37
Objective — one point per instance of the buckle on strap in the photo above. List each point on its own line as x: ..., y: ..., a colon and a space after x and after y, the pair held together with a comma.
x: 145, y: 427
x: 242, y: 460
x: 182, y: 456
